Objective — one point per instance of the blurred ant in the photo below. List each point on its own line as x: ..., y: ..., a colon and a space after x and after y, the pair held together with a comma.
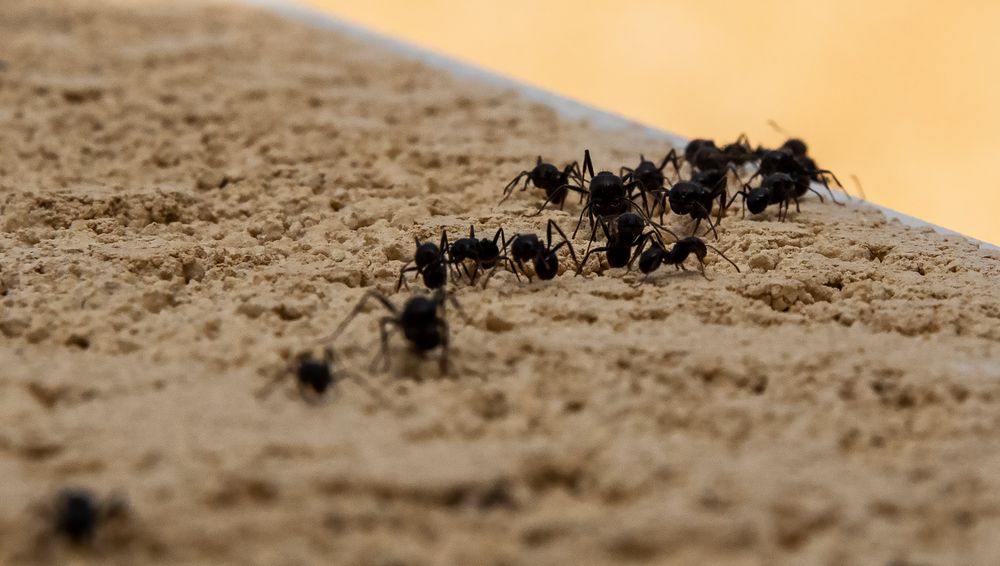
x: 740, y: 152
x: 545, y: 176
x: 649, y: 174
x: 529, y: 247
x: 483, y: 252
x: 430, y: 262
x: 650, y: 260
x: 800, y: 152
x: 651, y: 179
x: 422, y: 321
x: 313, y: 376
x: 696, y: 145
x: 776, y: 188
x: 629, y: 231
x: 78, y: 514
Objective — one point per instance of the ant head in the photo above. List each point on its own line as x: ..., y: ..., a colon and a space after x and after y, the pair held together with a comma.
x: 487, y: 249
x: 694, y: 245
x: 420, y: 311
x: 651, y: 259
x: 781, y: 182
x: 694, y: 146
x: 463, y: 248
x: 76, y: 514
x: 525, y: 246
x: 796, y: 147
x: 629, y: 226
x: 314, y: 374
x: 606, y: 185
x: 758, y: 199
x: 779, y: 161
x: 427, y: 253
x: 546, y: 175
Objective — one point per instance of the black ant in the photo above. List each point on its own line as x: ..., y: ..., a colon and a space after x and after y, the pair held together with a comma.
x: 629, y: 232
x: 650, y: 260
x: 421, y: 320
x: 695, y: 200
x: 430, y: 262
x: 78, y: 514
x: 740, y: 152
x: 313, y: 376
x: 649, y: 174
x: 607, y: 196
x: 695, y: 146
x: 776, y: 188
x: 545, y: 176
x: 651, y: 179
x: 529, y: 247
x: 807, y: 165
x: 483, y: 252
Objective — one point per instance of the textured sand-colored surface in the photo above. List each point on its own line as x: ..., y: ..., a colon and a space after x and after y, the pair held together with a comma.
x: 191, y: 194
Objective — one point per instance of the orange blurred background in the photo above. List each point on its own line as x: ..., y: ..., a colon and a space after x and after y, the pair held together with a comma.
x: 904, y: 94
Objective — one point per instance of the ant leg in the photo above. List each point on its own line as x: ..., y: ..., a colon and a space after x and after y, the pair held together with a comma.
x: 371, y: 293
x: 443, y: 329
x: 588, y: 165
x: 640, y: 246
x: 580, y: 220
x: 279, y: 376
x: 701, y: 268
x: 509, y: 189
x: 582, y: 264
x: 383, y: 331
x: 723, y: 256
x: 402, y: 275
x: 857, y: 183
x: 572, y: 253
x: 642, y: 194
x: 440, y: 297
x: 625, y: 172
x: 551, y: 197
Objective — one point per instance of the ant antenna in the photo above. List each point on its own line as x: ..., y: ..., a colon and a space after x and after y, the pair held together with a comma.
x: 857, y: 182
x: 716, y: 250
x: 778, y: 128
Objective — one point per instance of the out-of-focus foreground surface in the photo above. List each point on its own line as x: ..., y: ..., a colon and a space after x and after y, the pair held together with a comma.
x: 904, y: 94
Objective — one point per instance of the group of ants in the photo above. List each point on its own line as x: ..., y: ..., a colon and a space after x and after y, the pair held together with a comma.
x: 628, y: 208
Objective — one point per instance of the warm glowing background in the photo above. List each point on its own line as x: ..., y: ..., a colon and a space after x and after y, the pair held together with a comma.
x: 904, y: 94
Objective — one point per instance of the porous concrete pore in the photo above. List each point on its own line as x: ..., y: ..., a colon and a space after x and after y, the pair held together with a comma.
x: 190, y: 194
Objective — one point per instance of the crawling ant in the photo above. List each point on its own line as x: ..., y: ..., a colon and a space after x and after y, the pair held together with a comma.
x: 776, y: 188
x: 695, y: 200
x: 651, y: 178
x: 649, y: 174
x: 807, y: 165
x: 607, y: 197
x: 629, y: 232
x: 650, y: 260
x: 740, y: 153
x: 430, y: 262
x: 547, y: 177
x: 483, y: 252
x: 77, y: 514
x: 695, y: 146
x: 421, y: 320
x: 529, y: 247
x: 313, y: 376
